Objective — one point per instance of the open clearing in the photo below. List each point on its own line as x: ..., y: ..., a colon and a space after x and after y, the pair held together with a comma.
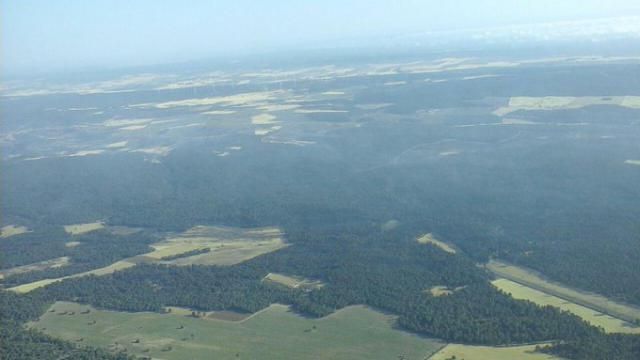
x: 293, y: 281
x: 632, y: 162
x: 355, y: 332
x: 228, y: 245
x: 39, y: 266
x: 608, y: 323
x: 469, y: 352
x: 77, y: 229
x: 590, y: 300
x: 119, y: 265
x: 11, y: 230
x: 565, y: 102
x: 431, y: 239
x: 442, y: 290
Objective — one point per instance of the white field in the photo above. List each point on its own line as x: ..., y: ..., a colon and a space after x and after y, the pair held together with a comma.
x: 219, y: 112
x: 77, y: 229
x: 11, y: 230
x: 86, y: 153
x: 292, y: 281
x: 263, y: 119
x: 117, y: 145
x: 431, y: 239
x: 158, y: 150
x: 565, y: 102
x: 632, y: 162
x: 243, y: 99
x: 596, y: 318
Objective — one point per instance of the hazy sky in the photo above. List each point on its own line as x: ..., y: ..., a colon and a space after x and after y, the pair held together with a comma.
x: 57, y: 34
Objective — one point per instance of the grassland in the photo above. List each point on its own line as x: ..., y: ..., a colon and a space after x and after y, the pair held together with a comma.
x: 77, y: 229
x: 469, y: 352
x: 228, y: 246
x: 596, y: 318
x: 11, y: 230
x: 39, y: 266
x: 590, y: 300
x: 275, y: 333
x: 110, y: 269
x: 431, y: 239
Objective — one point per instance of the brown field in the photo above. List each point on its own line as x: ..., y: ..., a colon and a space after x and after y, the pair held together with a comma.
x: 77, y: 229
x: 39, y: 266
x: 11, y: 230
x: 469, y: 352
x: 535, y: 281
x: 596, y: 318
x: 431, y: 239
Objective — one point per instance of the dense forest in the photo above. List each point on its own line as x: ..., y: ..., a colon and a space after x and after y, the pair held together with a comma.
x: 529, y: 195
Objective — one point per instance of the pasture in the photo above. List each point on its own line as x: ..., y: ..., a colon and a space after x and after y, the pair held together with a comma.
x: 469, y: 352
x: 354, y: 332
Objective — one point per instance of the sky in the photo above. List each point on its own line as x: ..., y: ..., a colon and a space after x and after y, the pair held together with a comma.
x: 43, y: 35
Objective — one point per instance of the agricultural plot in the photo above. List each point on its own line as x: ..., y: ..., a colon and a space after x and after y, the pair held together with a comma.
x: 469, y: 352
x: 11, y: 230
x: 77, y: 229
x: 275, y: 333
x: 293, y: 282
x: 110, y: 269
x: 596, y: 318
x: 39, y: 266
x: 593, y: 301
x: 228, y: 246
x: 431, y: 239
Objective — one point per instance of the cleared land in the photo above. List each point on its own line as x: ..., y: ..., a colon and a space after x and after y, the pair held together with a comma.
x: 565, y: 102
x: 39, y: 266
x: 293, y: 281
x: 431, y: 239
x: 596, y: 318
x: 469, y: 352
x: 77, y: 229
x: 228, y: 246
x: 11, y: 230
x: 119, y: 265
x: 590, y: 300
x: 632, y: 162
x: 275, y: 333
x: 442, y: 290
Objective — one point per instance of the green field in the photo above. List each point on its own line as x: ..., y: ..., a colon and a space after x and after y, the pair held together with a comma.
x: 275, y: 333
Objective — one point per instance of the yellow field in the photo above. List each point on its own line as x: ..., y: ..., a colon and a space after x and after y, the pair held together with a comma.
x: 228, y: 246
x: 565, y: 102
x: 596, y: 318
x: 39, y: 266
x: 11, y: 230
x: 77, y: 229
x: 469, y: 352
x: 590, y: 300
x: 431, y: 239
x: 291, y: 281
x: 25, y: 288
